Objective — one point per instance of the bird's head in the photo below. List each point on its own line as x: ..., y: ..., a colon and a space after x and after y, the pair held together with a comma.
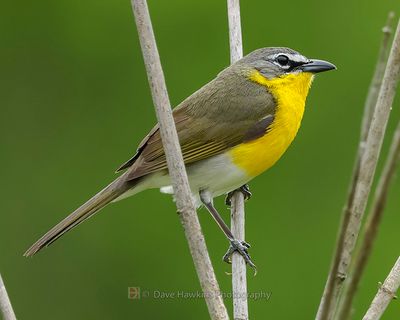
x: 277, y: 62
x: 286, y: 73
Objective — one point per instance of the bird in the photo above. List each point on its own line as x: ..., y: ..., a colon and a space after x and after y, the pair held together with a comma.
x: 230, y: 131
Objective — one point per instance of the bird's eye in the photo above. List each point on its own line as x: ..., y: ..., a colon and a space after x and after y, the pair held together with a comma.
x: 282, y: 60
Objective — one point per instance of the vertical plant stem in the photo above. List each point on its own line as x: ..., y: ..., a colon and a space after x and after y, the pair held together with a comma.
x: 372, y: 225
x: 235, y: 30
x: 239, y: 280
x: 5, y: 303
x: 176, y: 167
x: 376, y: 82
x: 331, y: 289
x: 337, y: 274
x: 361, y: 184
x: 385, y: 294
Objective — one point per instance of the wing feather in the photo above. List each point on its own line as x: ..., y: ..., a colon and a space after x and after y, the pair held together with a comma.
x: 209, y: 122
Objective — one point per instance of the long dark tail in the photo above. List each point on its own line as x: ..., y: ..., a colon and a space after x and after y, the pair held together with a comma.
x: 85, y: 211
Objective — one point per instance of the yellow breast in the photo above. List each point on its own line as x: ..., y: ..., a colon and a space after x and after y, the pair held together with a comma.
x: 290, y: 92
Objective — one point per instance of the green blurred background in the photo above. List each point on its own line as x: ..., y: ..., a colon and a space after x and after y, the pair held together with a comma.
x: 74, y: 105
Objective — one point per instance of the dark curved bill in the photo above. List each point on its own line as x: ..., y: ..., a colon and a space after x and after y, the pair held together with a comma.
x: 315, y: 66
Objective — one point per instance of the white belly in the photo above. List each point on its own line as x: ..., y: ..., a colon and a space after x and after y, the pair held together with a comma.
x: 218, y: 175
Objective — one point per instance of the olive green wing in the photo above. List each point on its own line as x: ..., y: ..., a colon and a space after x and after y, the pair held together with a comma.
x: 200, y: 137
x: 225, y: 112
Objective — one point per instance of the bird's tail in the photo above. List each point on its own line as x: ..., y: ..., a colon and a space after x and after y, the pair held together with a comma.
x: 85, y: 211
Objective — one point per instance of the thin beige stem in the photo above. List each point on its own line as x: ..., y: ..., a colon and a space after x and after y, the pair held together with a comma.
x: 176, y: 167
x: 235, y: 30
x: 335, y: 277
x: 376, y: 82
x: 386, y: 293
x: 5, y: 303
x: 369, y: 107
x: 239, y: 280
x: 372, y: 225
x: 361, y: 185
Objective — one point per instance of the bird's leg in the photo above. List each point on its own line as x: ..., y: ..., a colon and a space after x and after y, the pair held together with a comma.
x: 243, y: 189
x: 235, y: 245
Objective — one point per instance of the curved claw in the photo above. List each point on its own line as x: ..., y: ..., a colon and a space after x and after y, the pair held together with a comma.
x: 243, y: 189
x: 241, y: 247
x: 246, y: 191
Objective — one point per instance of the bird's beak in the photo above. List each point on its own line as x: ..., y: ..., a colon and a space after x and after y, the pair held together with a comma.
x: 315, y: 66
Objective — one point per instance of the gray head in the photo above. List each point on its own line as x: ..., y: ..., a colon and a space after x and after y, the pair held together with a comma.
x: 276, y: 61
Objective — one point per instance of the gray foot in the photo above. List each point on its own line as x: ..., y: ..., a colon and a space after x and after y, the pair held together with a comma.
x: 241, y: 247
x: 243, y: 189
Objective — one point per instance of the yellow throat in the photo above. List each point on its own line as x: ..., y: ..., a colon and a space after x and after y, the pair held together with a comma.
x: 290, y: 92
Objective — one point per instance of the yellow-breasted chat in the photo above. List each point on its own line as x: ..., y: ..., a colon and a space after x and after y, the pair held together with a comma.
x: 231, y: 130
